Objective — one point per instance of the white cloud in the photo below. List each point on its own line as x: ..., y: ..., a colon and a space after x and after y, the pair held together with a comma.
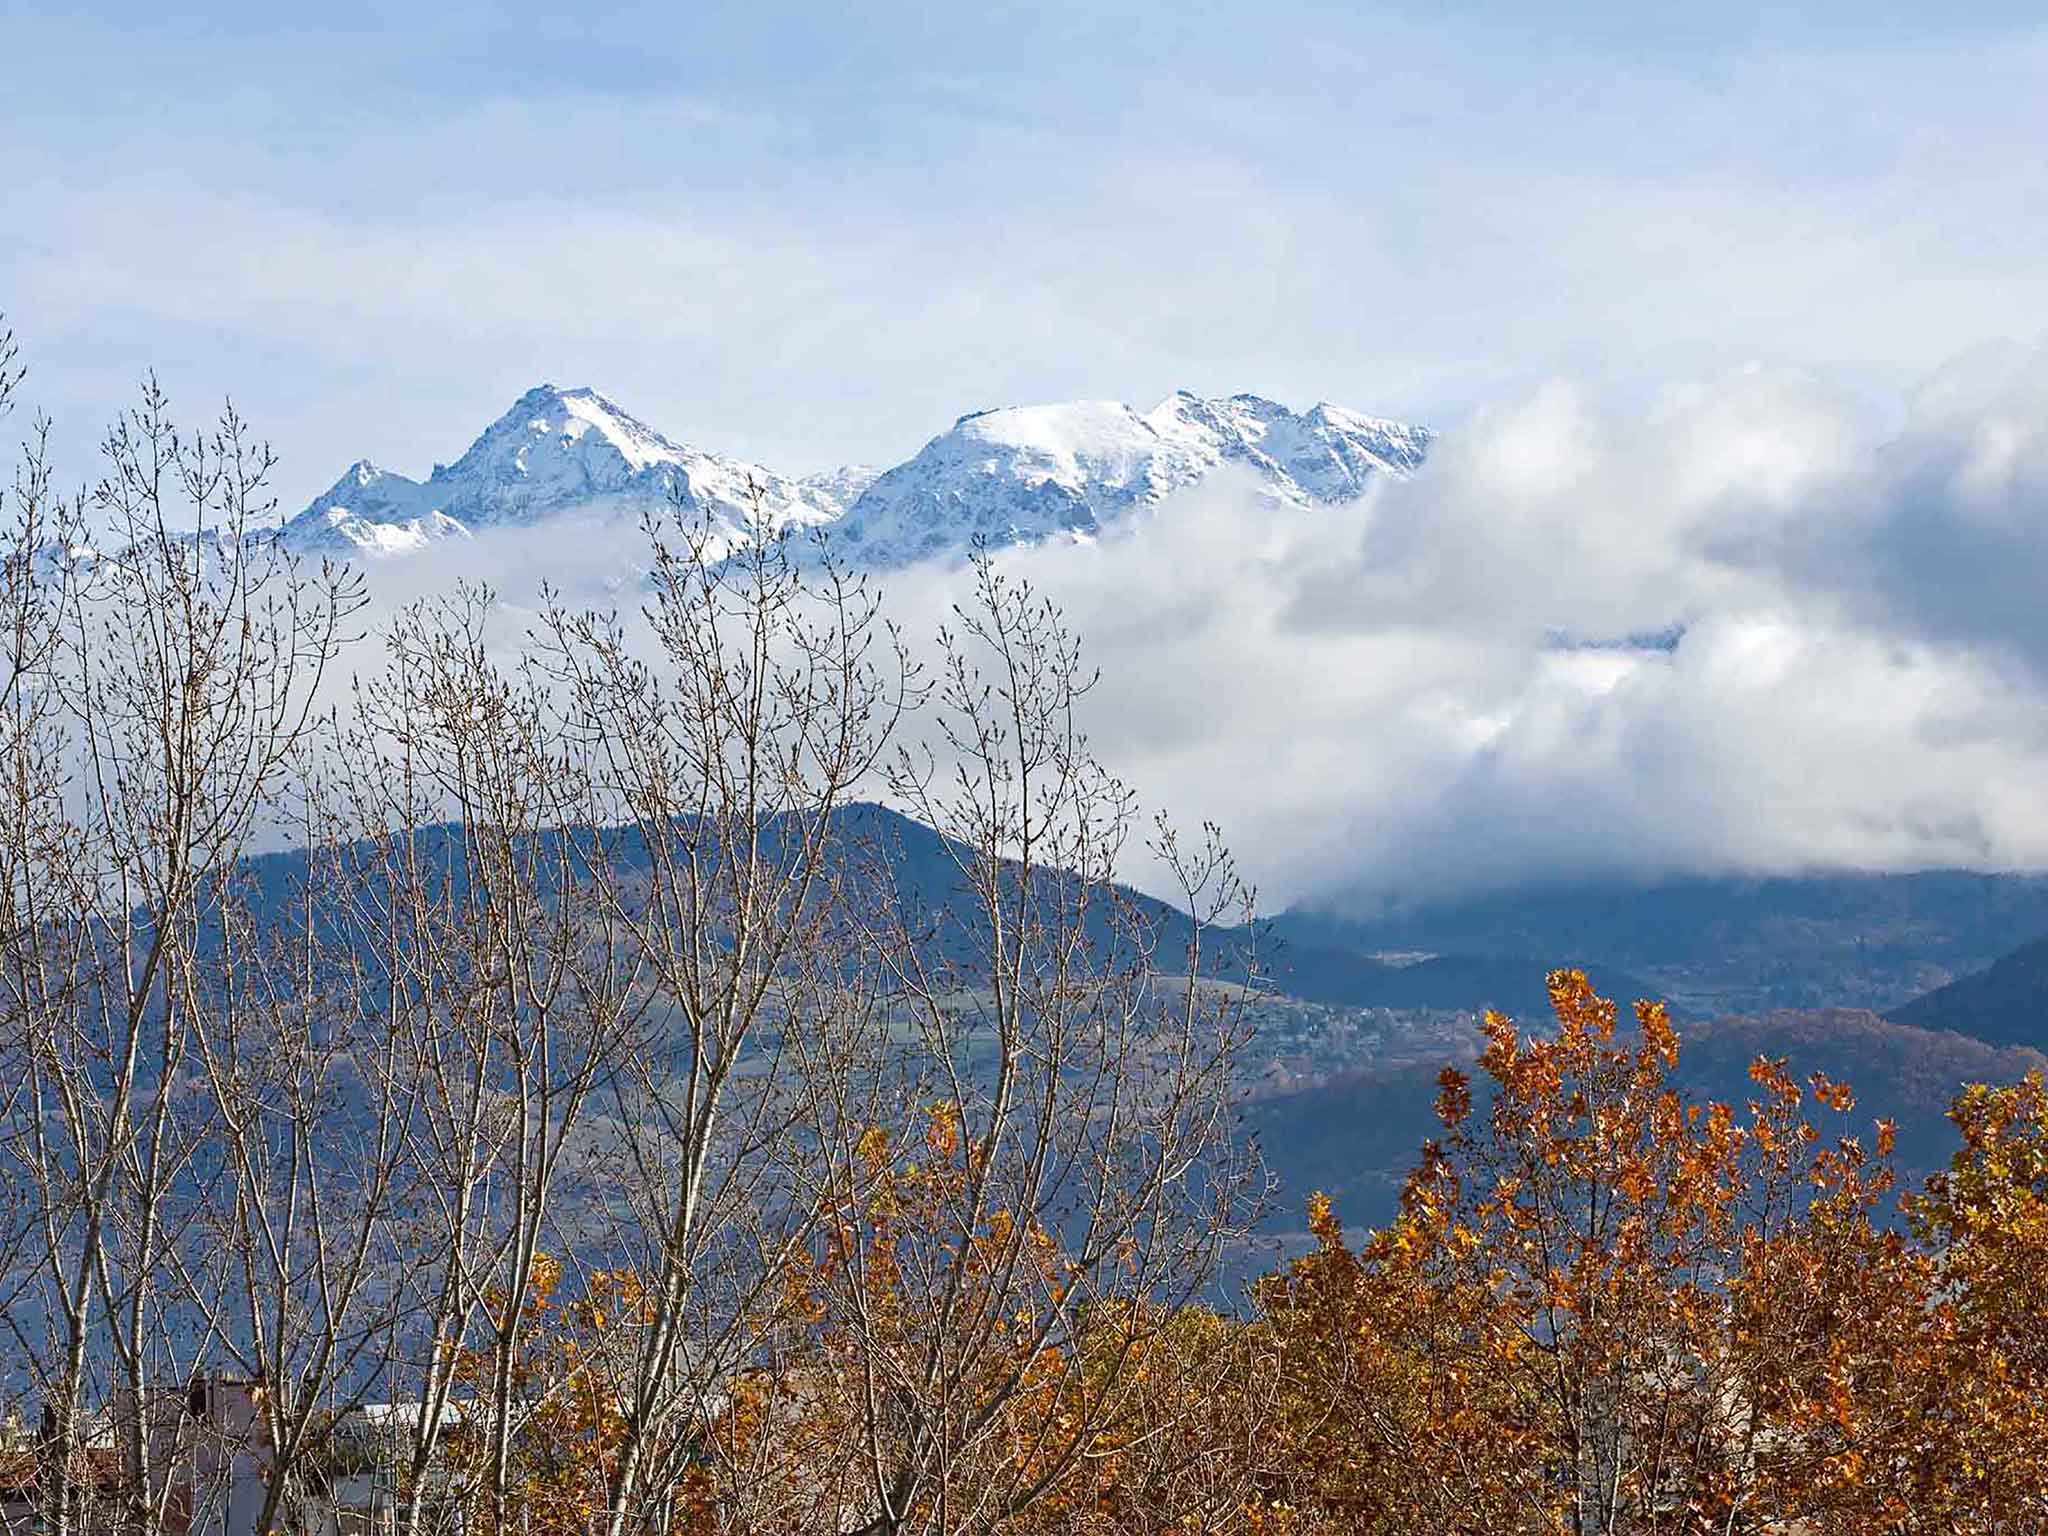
x: 1375, y: 700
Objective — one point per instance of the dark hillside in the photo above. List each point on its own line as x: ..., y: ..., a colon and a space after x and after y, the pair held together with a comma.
x: 2006, y: 1003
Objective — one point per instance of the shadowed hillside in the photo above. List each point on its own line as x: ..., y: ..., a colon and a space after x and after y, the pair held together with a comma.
x: 1726, y: 945
x: 2006, y: 1003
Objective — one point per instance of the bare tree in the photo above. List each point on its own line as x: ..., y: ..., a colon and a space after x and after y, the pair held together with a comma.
x: 165, y: 670
x: 996, y: 1296
x: 310, y: 1119
x: 726, y: 757
x: 509, y: 997
x: 39, y: 521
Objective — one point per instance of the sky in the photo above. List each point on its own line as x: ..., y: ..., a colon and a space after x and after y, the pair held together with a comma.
x: 814, y: 234
x: 1732, y: 318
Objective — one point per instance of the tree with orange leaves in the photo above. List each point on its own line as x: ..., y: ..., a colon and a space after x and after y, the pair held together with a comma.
x: 567, y: 1397
x: 1982, y: 1443
x: 1603, y: 1308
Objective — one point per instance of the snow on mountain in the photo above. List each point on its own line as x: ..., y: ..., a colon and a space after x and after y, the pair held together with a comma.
x: 554, y: 451
x: 1325, y: 454
x: 1007, y: 476
x: 1033, y: 472
x: 373, y: 512
x: 839, y: 488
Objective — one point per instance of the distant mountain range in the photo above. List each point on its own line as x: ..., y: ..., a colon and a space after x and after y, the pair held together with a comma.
x: 1751, y: 967
x: 1353, y: 1020
x: 1729, y: 944
x: 1004, y: 477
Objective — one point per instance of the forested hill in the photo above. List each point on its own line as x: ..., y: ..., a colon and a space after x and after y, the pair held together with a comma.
x: 925, y: 871
x: 1947, y: 950
x: 1353, y: 1108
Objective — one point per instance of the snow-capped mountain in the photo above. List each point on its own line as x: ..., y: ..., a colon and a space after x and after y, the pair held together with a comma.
x: 1017, y: 475
x: 554, y: 452
x: 1031, y: 472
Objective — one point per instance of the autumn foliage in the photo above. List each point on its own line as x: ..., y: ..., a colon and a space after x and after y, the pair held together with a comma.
x: 566, y: 1394
x: 1605, y: 1308
x: 1984, y: 1437
x: 1602, y: 1307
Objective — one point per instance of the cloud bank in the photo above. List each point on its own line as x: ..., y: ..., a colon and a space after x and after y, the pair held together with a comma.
x: 1750, y: 627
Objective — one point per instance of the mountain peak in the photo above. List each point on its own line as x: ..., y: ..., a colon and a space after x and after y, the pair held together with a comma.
x: 556, y: 444
x: 547, y: 401
x: 556, y: 451
x: 582, y: 400
x: 372, y: 491
x: 570, y: 414
x: 359, y: 475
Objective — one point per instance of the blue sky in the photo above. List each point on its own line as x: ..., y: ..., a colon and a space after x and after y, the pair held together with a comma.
x: 1721, y: 304
x: 818, y: 233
